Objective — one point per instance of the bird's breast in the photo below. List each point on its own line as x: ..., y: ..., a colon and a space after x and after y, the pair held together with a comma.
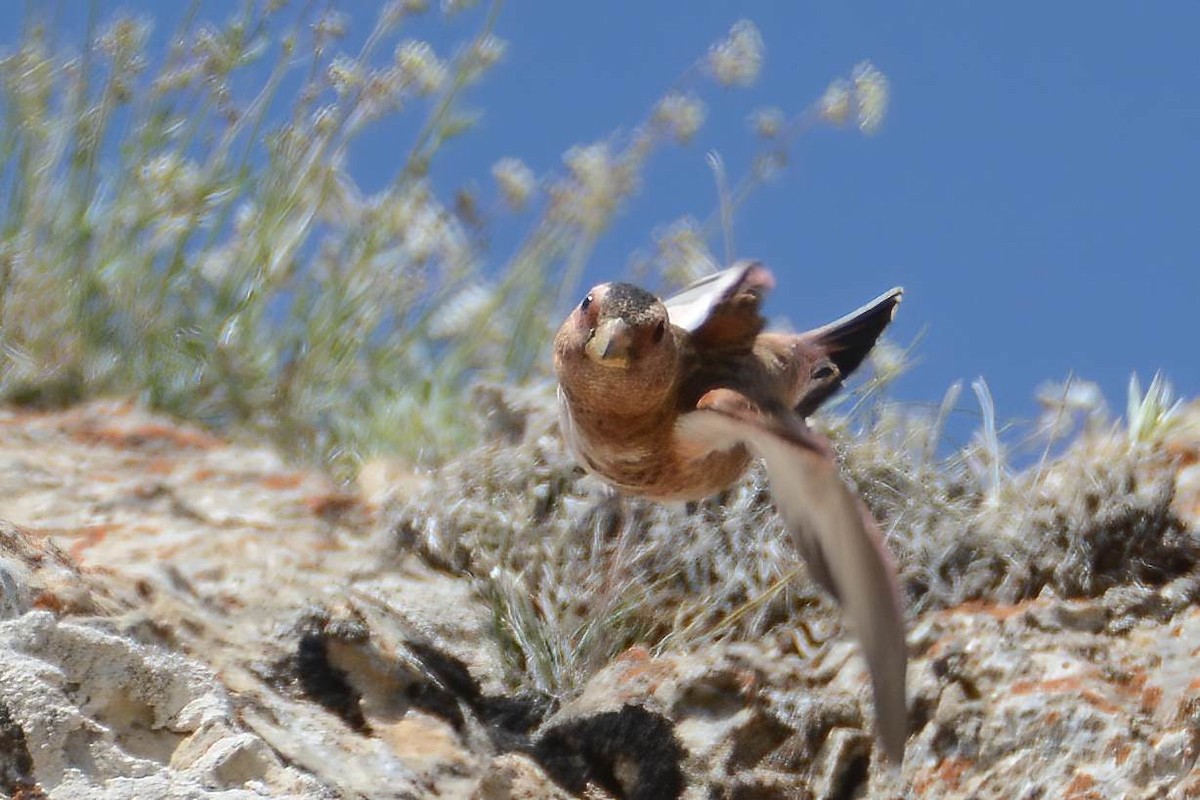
x: 648, y: 460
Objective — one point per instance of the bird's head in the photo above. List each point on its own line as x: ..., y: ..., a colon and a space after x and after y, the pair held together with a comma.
x: 619, y: 348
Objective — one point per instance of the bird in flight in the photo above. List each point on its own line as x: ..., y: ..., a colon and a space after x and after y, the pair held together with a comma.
x: 671, y: 400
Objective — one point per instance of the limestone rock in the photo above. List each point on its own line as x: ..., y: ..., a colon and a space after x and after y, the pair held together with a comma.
x: 185, y: 617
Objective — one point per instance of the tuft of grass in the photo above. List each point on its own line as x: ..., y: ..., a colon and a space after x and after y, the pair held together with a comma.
x: 1151, y: 415
x: 575, y: 574
x: 966, y: 527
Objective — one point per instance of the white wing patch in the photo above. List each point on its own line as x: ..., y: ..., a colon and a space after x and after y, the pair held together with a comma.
x: 690, y: 308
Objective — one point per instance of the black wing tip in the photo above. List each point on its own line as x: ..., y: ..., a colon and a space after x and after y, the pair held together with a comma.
x: 849, y: 339
x: 894, y: 296
x: 890, y: 299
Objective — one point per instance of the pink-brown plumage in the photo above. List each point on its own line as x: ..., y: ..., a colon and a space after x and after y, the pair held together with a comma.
x: 672, y: 400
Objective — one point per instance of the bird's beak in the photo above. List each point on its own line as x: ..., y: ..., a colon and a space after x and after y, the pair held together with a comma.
x: 610, y: 342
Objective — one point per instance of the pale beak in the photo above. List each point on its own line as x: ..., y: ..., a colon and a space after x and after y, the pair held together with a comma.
x: 609, y: 343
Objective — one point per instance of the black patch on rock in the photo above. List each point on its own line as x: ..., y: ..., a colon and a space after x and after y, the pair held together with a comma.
x: 756, y: 740
x: 16, y: 763
x: 326, y: 684
x: 450, y: 684
x: 508, y: 720
x: 632, y: 754
x: 852, y: 782
x: 436, y: 700
x: 447, y: 670
x: 518, y: 714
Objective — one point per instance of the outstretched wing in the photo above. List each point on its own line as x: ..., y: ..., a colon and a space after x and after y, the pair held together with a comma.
x: 723, y: 309
x: 842, y: 345
x: 832, y: 529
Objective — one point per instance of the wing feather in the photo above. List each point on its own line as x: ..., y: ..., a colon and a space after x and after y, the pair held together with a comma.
x: 833, y: 530
x: 845, y: 342
x: 724, y: 308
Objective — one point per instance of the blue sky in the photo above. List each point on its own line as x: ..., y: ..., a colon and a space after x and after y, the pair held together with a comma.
x: 1034, y: 187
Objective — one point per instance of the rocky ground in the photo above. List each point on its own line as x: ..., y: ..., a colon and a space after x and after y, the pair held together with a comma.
x: 185, y: 617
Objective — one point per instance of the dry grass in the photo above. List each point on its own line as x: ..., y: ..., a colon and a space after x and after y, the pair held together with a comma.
x: 575, y: 574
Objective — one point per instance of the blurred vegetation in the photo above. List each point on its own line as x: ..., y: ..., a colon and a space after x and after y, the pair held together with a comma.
x: 179, y: 223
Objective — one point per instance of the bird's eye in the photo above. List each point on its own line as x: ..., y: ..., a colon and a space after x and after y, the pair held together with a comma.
x: 659, y: 330
x: 824, y: 371
x: 587, y: 301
